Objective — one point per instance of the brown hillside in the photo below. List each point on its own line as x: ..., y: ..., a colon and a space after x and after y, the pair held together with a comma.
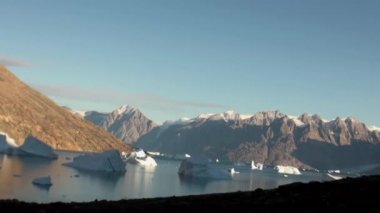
x: 24, y: 111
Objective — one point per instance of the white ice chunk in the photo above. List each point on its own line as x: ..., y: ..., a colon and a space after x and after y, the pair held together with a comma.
x: 233, y: 171
x: 334, y: 171
x: 334, y: 177
x: 108, y: 161
x: 253, y: 166
x: 146, y: 162
x: 287, y: 170
x: 259, y: 166
x: 141, y: 159
x: 140, y: 154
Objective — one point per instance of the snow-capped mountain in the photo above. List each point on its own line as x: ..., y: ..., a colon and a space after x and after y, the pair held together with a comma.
x: 268, y: 137
x: 126, y: 123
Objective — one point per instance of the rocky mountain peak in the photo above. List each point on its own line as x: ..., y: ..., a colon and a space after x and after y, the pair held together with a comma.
x: 126, y: 122
x: 124, y: 109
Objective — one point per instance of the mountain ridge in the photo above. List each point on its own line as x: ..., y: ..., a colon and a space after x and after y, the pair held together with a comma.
x: 268, y: 137
x: 25, y: 111
x: 126, y: 122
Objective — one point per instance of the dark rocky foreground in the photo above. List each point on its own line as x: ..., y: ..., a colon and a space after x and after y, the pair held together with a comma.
x: 298, y: 197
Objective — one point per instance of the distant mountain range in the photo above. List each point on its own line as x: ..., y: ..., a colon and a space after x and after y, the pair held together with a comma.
x: 271, y: 138
x: 25, y: 111
x: 126, y: 123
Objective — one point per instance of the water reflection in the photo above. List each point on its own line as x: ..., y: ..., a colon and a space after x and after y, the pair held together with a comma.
x: 17, y: 174
x: 108, y: 181
x: 199, y: 183
x: 42, y: 187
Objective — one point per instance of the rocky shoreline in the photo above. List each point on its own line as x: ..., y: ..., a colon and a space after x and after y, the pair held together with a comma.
x: 300, y: 197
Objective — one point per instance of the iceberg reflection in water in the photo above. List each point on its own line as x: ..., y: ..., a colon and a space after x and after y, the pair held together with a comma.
x: 70, y: 184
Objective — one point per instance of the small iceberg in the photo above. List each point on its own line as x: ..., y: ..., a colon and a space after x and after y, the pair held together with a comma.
x: 233, y: 171
x: 108, y: 161
x: 43, y: 181
x: 141, y: 158
x: 200, y: 168
x: 258, y: 166
x: 287, y: 170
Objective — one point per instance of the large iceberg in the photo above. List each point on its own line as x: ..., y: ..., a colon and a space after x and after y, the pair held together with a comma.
x: 32, y: 147
x: 287, y: 170
x: 35, y: 147
x: 199, y: 168
x: 108, y: 161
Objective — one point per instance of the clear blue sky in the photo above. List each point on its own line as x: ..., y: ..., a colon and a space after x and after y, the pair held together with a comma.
x: 184, y: 57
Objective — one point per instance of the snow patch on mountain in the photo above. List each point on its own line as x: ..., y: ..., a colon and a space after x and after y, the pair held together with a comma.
x: 245, y: 117
x: 374, y: 128
x: 296, y: 120
x: 124, y: 109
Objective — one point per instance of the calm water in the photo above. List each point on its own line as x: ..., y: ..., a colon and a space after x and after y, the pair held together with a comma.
x: 17, y: 173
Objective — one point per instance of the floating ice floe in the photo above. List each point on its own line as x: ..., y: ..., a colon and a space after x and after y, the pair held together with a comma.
x: 108, y: 161
x: 233, y: 171
x: 258, y: 166
x: 42, y: 181
x: 200, y: 168
x: 141, y: 158
x: 334, y: 177
x: 334, y: 171
x: 287, y: 170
